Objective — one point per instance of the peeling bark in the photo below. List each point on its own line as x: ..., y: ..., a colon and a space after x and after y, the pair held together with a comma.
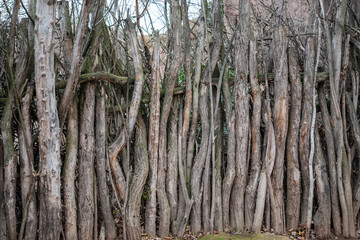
x: 49, y: 140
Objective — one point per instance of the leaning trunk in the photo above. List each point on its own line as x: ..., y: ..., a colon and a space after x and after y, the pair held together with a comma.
x: 136, y: 186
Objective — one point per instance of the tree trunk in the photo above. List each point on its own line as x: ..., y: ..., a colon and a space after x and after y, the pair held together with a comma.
x: 172, y: 159
x: 126, y: 132
x: 195, y: 109
x: 86, y: 163
x: 15, y: 86
x: 322, y: 217
x: 267, y: 169
x: 26, y: 168
x: 76, y: 61
x: 150, y: 214
x: 256, y: 139
x: 218, y: 212
x: 197, y: 169
x: 136, y: 186
x: 49, y: 140
x: 281, y: 127
x: 164, y: 224
x: 304, y: 140
x: 241, y: 119
x: 71, y: 158
x: 330, y: 147
x: 3, y: 234
x: 229, y: 176
x: 293, y: 192
x: 105, y: 207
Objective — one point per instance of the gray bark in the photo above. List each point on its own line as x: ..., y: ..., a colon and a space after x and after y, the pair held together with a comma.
x: 70, y: 164
x: 281, y: 127
x: 150, y: 214
x: 164, y: 224
x: 2, y: 205
x: 49, y: 139
x: 256, y: 139
x: 229, y: 176
x: 136, y: 186
x: 172, y: 161
x: 241, y: 118
x: 330, y: 147
x: 76, y: 61
x: 105, y: 207
x: 293, y: 193
x: 322, y: 217
x: 86, y: 164
x: 28, y: 198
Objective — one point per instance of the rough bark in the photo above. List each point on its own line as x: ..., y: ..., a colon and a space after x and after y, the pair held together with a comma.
x: 199, y: 162
x: 187, y: 61
x: 136, y: 186
x: 312, y: 140
x: 304, y: 140
x: 105, y: 207
x: 267, y: 169
x: 3, y: 234
x: 229, y: 176
x: 281, y: 127
x: 218, y: 212
x: 293, y: 193
x: 330, y: 147
x: 86, y: 164
x: 356, y: 131
x: 15, y: 85
x: 333, y: 43
x: 71, y: 159
x: 256, y: 139
x: 241, y: 118
x: 76, y: 61
x: 164, y: 224
x: 322, y: 217
x: 195, y: 106
x: 182, y: 219
x: 49, y: 140
x: 172, y: 161
x: 10, y: 165
x: 150, y: 214
x: 26, y: 168
x: 126, y: 132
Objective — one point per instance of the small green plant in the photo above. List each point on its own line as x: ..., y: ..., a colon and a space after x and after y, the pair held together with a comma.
x: 181, y: 75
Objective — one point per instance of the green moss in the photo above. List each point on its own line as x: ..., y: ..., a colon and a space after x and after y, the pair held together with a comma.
x: 256, y: 236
